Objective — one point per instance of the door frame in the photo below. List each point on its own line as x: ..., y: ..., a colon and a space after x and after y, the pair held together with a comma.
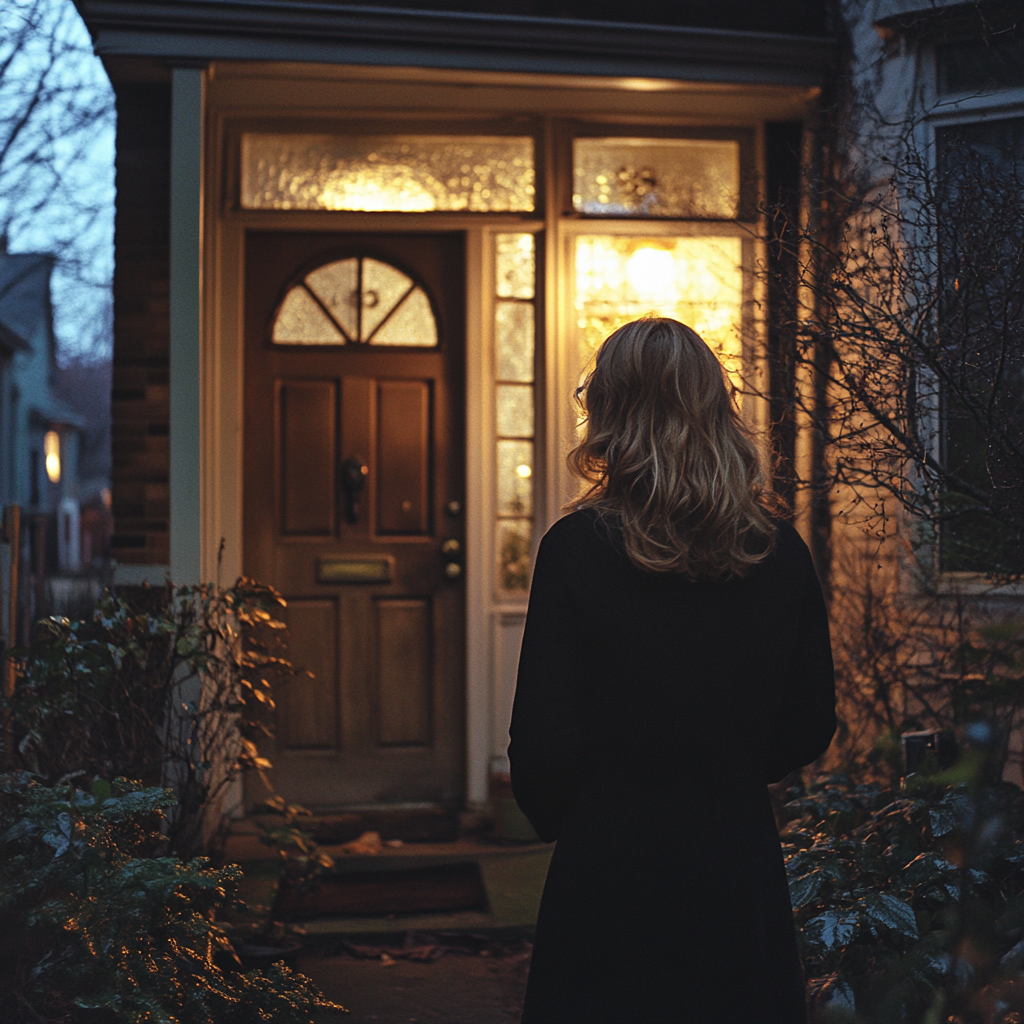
x: 251, y: 93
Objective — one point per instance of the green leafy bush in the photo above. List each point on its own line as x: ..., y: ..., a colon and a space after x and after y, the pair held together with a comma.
x: 95, y: 929
x: 172, y: 690
x: 910, y: 904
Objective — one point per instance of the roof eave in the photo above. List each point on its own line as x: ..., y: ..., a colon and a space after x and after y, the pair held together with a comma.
x: 209, y: 30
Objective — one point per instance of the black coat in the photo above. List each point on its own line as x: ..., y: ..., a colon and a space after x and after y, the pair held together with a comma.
x: 650, y: 713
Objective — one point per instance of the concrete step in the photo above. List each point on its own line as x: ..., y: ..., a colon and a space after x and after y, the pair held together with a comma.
x: 465, y: 885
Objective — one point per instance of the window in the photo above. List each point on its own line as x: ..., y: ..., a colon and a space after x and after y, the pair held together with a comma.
x: 514, y: 352
x: 355, y: 301
x: 697, y: 280
x: 397, y: 173
x: 683, y: 179
x: 981, y: 366
x: 980, y: 65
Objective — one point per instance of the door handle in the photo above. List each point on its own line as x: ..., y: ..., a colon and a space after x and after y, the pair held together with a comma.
x: 353, y: 479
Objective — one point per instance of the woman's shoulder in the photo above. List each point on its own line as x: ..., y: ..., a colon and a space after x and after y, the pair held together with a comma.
x: 584, y: 527
x: 790, y: 549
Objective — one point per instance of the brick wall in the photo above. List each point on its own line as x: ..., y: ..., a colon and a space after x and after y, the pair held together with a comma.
x: 141, y: 394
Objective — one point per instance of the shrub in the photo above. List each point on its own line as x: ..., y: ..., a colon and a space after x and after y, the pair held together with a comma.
x: 174, y: 695
x: 910, y: 905
x: 95, y: 929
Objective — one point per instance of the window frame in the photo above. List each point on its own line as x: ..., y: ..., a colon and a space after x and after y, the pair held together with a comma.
x: 951, y: 110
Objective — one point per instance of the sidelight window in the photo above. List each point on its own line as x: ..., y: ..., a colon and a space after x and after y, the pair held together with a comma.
x: 514, y: 320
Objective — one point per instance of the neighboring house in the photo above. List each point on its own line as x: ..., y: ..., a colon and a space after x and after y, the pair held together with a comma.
x: 363, y: 256
x: 950, y: 76
x: 39, y: 433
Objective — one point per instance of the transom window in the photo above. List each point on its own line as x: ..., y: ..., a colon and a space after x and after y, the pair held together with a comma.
x: 388, y: 173
x: 682, y: 179
x: 358, y: 300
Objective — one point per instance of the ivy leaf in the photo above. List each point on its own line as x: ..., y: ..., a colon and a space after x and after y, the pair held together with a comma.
x: 60, y: 837
x: 890, y: 912
x: 831, y: 930
x: 942, y: 821
x: 804, y: 889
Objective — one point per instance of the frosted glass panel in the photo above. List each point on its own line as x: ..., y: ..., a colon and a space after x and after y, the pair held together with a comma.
x: 411, y: 324
x: 680, y: 178
x: 515, y: 478
x: 696, y: 280
x: 403, y: 173
x: 513, y: 327
x: 383, y: 288
x: 516, y: 266
x: 361, y: 300
x: 515, y: 410
x: 337, y: 287
x: 301, y: 321
x: 513, y: 536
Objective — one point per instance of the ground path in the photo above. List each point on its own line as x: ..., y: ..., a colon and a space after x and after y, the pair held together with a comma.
x: 454, y: 989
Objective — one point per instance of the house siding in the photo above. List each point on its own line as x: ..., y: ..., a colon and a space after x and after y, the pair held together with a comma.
x: 141, y: 392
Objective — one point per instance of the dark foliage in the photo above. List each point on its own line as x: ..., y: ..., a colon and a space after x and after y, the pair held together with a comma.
x: 93, y: 929
x: 910, y: 904
x: 173, y: 695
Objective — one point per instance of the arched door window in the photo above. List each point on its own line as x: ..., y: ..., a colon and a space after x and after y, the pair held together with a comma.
x: 355, y: 301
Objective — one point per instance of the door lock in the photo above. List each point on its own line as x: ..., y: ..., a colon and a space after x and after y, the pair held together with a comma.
x: 451, y: 550
x: 353, y: 479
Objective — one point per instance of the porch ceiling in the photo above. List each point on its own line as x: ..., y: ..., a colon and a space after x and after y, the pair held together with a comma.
x: 288, y: 30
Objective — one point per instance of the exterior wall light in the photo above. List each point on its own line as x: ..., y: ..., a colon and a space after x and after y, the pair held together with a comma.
x: 51, y: 447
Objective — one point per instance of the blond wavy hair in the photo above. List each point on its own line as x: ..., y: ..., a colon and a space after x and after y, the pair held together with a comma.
x: 667, y: 459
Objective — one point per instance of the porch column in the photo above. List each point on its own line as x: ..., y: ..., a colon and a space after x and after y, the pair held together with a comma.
x: 185, y: 312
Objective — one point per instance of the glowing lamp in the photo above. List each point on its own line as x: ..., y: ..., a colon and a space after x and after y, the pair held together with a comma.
x: 51, y: 448
x: 652, y: 274
x: 523, y: 470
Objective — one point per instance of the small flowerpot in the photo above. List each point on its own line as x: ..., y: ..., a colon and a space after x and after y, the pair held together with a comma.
x: 510, y: 824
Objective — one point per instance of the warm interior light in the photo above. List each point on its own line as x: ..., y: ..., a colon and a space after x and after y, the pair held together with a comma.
x: 523, y: 470
x: 361, y: 191
x: 51, y: 446
x: 698, y: 280
x: 652, y: 275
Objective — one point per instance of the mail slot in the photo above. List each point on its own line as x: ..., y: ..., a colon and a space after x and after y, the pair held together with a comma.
x: 354, y: 570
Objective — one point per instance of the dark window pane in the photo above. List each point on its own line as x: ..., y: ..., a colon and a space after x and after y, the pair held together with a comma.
x: 981, y: 64
x: 980, y: 361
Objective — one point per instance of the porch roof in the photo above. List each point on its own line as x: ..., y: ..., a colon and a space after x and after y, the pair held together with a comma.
x: 180, y: 31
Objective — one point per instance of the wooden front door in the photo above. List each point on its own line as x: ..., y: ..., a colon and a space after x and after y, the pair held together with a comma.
x: 353, y: 507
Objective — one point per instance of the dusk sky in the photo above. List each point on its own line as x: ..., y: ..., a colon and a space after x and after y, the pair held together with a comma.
x: 57, y: 163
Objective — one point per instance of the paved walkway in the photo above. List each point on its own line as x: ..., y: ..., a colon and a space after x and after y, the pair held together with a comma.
x: 454, y: 989
x: 455, y: 967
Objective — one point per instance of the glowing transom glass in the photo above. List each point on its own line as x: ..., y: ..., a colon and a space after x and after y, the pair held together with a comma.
x: 678, y: 178
x: 398, y: 173
x: 355, y: 300
x: 698, y: 281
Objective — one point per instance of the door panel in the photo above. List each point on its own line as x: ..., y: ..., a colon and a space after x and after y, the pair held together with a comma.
x: 352, y: 454
x: 308, y: 456
x: 405, y: 671
x: 403, y: 457
x: 308, y: 705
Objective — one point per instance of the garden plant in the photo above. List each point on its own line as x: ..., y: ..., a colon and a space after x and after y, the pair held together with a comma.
x: 123, y: 740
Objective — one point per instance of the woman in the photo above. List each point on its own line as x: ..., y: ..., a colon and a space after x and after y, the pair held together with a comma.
x: 676, y: 659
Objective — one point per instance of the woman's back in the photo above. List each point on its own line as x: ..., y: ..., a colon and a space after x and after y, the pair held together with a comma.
x: 651, y: 711
x: 675, y: 659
